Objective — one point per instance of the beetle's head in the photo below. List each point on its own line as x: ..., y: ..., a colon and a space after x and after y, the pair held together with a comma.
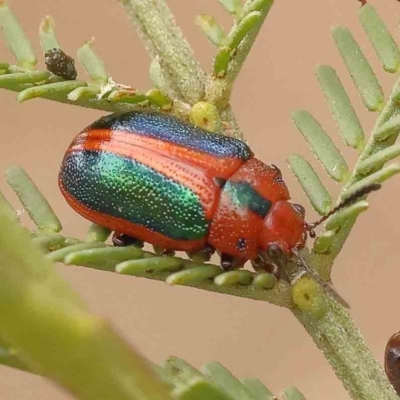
x: 284, y: 230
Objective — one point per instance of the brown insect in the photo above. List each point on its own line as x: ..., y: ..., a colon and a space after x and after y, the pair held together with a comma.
x: 60, y: 64
x: 392, y: 361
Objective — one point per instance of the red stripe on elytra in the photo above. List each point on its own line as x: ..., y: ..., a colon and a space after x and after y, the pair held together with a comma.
x: 128, y: 228
x: 196, y: 179
x: 223, y: 167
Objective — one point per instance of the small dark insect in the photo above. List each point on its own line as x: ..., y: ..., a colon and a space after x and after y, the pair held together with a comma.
x: 392, y: 361
x: 60, y: 64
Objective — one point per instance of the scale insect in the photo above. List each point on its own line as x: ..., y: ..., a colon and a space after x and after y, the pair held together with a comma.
x: 150, y: 177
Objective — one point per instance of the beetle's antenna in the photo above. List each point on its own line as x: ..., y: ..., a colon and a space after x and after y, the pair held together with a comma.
x: 328, y: 288
x: 345, y: 203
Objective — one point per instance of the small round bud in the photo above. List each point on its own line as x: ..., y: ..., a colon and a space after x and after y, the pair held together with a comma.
x: 308, y: 296
x: 205, y: 115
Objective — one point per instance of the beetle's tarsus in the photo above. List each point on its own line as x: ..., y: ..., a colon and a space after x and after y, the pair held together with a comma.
x: 261, y: 265
x: 228, y: 263
x: 121, y: 240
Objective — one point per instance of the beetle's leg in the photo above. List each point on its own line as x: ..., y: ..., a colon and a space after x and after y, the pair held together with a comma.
x: 260, y: 265
x: 121, y: 240
x: 228, y: 263
x: 204, y: 254
x: 163, y: 252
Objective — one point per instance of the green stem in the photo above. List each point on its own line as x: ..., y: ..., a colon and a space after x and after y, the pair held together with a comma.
x: 82, y: 101
x: 163, y: 38
x: 345, y: 349
x: 55, y: 333
x: 218, y: 90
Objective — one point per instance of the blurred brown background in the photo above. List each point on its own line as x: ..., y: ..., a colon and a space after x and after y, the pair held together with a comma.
x: 250, y: 338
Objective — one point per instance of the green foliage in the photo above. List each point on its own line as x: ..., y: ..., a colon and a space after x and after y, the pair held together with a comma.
x: 182, y: 88
x: 101, y: 92
x: 380, y: 148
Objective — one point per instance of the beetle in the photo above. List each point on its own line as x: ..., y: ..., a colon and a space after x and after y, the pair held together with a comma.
x: 159, y: 180
x: 392, y: 361
x: 151, y: 177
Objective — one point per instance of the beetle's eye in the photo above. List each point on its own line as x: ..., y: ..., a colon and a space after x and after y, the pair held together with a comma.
x: 300, y: 209
x: 274, y: 251
x: 276, y: 169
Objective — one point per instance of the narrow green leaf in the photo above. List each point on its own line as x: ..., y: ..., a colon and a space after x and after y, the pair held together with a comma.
x: 321, y: 145
x: 377, y: 177
x: 381, y: 39
x: 342, y: 216
x: 16, y: 39
x: 21, y: 78
x: 245, y: 25
x: 215, y: 34
x: 359, y: 69
x: 232, y: 6
x: 33, y: 201
x: 224, y: 379
x: 239, y: 277
x: 97, y: 233
x: 316, y: 192
x: 200, y: 389
x: 47, y: 34
x: 4, y: 66
x: 92, y: 64
x: 164, y: 375
x: 292, y: 394
x: 258, y: 389
x: 378, y: 159
x: 181, y: 369
x: 339, y: 103
x: 221, y: 62
x: 84, y: 92
x: 265, y: 281
x: 5, y: 205
x: 60, y: 254
x: 49, y: 242
x: 389, y: 128
x: 156, y: 74
x: 127, y: 96
x: 148, y: 265
x: 159, y: 99
x: 64, y: 87
x: 104, y: 258
x: 194, y: 275
x: 323, y: 242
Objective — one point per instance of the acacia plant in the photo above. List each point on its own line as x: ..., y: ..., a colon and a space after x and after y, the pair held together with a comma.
x: 71, y: 346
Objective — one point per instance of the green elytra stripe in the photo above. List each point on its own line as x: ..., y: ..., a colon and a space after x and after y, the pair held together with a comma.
x: 123, y: 188
x: 244, y: 196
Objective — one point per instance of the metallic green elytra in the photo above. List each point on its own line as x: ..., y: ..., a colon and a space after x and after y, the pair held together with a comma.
x: 124, y: 188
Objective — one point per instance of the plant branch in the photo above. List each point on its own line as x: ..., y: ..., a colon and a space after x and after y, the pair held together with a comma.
x: 174, y: 270
x: 164, y: 39
x: 384, y: 135
x: 345, y: 349
x: 218, y: 89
